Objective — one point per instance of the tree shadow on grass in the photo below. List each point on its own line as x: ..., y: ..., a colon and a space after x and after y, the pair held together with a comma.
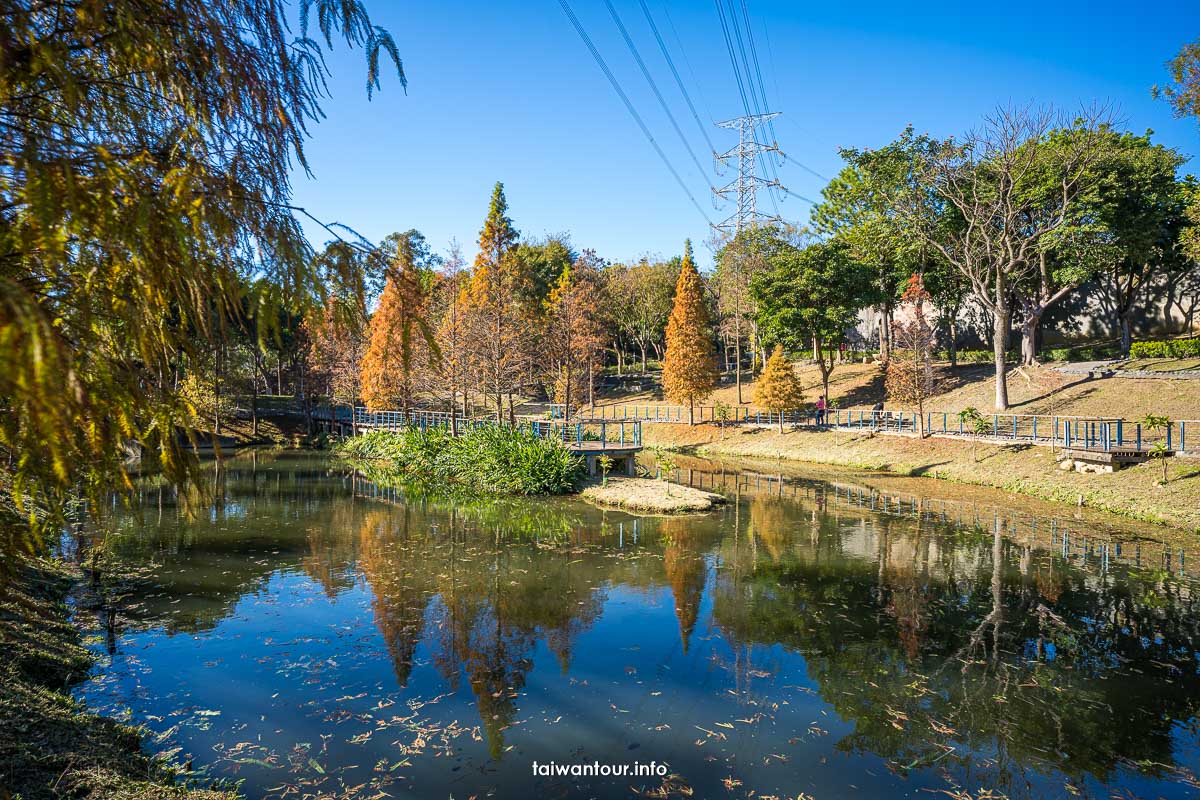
x: 1059, y: 390
x: 868, y: 394
x: 924, y: 469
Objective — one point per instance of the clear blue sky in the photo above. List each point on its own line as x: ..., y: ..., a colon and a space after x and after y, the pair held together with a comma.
x: 507, y: 91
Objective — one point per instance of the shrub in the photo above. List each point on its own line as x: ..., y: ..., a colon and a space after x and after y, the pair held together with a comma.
x: 974, y: 356
x: 492, y: 459
x: 1169, y: 348
x: 1088, y: 352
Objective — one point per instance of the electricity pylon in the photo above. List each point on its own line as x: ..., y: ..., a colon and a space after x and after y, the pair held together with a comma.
x: 747, y: 184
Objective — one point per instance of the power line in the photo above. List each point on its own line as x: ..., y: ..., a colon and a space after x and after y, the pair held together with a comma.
x: 737, y: 74
x: 800, y: 196
x: 662, y: 46
x: 803, y: 166
x: 750, y: 113
x: 768, y: 165
x: 653, y: 86
x: 688, y: 62
x: 628, y: 105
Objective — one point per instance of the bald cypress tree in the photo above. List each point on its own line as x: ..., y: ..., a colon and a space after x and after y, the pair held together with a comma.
x: 779, y: 389
x: 497, y: 335
x: 690, y: 365
x: 402, y: 348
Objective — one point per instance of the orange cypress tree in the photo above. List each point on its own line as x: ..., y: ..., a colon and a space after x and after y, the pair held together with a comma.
x: 573, y: 335
x: 778, y: 389
x: 690, y: 364
x: 402, y: 345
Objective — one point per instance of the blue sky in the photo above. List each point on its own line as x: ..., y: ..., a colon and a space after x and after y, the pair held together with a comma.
x: 507, y: 91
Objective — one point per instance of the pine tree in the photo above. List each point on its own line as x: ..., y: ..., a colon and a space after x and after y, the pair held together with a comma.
x: 497, y: 331
x: 778, y: 388
x: 402, y: 346
x: 690, y: 364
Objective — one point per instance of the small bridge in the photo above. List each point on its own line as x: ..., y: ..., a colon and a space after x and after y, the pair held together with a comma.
x: 618, y: 440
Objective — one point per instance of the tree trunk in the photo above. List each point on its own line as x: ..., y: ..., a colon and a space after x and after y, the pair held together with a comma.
x: 737, y: 363
x: 953, y: 342
x: 217, y: 392
x: 643, y: 349
x: 1126, y: 318
x: 884, y: 342
x: 1002, y: 319
x: 691, y: 413
x: 1029, y: 337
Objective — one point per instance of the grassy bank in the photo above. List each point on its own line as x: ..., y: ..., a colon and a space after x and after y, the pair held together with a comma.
x: 1133, y: 492
x: 50, y: 746
x: 489, y: 459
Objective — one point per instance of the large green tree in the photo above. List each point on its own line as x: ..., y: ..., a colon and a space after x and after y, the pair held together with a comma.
x: 739, y: 261
x: 860, y: 208
x: 994, y: 182
x: 1137, y: 208
x: 145, y: 155
x: 1183, y: 92
x: 810, y: 296
x: 641, y: 296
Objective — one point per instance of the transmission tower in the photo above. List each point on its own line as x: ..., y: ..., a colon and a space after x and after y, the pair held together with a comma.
x: 747, y: 184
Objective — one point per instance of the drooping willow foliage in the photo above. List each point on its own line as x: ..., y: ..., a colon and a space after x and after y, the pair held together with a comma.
x: 145, y: 153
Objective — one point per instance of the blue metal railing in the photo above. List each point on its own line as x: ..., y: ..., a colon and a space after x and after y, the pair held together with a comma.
x: 589, y: 433
x: 1106, y: 433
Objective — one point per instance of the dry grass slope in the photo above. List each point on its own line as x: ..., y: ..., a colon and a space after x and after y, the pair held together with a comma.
x: 1037, y: 390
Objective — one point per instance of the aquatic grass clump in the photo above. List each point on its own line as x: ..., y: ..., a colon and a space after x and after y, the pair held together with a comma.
x: 493, y: 459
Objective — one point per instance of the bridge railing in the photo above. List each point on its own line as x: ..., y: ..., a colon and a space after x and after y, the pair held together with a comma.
x: 623, y: 433
x: 579, y: 432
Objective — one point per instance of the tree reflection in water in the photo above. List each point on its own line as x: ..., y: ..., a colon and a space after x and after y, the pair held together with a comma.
x: 960, y: 657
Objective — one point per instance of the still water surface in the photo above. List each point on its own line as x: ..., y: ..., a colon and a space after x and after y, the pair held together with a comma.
x: 311, y: 634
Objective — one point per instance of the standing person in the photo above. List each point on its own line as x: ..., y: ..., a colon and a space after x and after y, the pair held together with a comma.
x: 821, y: 410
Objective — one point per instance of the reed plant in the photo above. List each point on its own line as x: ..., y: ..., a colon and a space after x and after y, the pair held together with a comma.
x: 491, y: 459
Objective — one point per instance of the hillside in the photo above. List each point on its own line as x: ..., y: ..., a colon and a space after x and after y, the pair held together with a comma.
x: 1037, y: 390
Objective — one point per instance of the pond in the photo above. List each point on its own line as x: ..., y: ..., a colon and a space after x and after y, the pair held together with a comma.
x: 309, y: 633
